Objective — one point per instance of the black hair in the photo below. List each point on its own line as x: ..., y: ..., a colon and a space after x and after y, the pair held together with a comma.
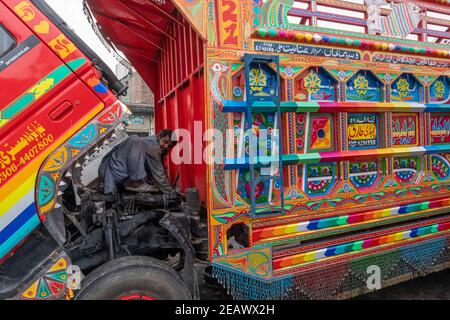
x: 168, y: 133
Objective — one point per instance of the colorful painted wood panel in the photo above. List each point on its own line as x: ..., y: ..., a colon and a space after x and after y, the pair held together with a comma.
x: 319, y: 179
x: 322, y: 133
x: 407, y: 89
x: 441, y: 167
x: 364, y: 174
x: 230, y: 27
x: 364, y: 86
x: 405, y: 129
x: 363, y: 131
x: 315, y: 85
x: 406, y: 169
x: 263, y: 83
x: 440, y: 90
x: 440, y: 128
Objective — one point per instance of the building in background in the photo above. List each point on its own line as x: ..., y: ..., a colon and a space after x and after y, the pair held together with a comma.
x: 140, y: 100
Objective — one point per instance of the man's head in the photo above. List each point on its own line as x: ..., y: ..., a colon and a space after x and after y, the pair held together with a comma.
x: 166, y: 140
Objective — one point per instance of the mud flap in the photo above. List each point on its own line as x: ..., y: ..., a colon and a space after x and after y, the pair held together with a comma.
x: 55, y: 281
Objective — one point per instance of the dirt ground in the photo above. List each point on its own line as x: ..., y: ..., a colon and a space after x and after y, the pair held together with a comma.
x: 433, y: 287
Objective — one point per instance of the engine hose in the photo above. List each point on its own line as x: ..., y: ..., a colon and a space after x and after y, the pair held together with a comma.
x: 109, y: 238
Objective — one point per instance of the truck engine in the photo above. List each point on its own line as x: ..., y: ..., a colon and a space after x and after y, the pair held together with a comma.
x: 100, y: 228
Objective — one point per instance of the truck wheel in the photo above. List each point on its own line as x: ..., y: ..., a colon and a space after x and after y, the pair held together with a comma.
x: 133, y: 278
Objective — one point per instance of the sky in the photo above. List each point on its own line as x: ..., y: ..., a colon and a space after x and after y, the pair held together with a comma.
x: 72, y: 12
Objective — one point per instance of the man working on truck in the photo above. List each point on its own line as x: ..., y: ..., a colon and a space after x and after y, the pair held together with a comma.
x: 134, y: 160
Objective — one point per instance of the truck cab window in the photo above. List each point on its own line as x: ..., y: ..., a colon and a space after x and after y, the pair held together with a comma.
x: 7, y: 42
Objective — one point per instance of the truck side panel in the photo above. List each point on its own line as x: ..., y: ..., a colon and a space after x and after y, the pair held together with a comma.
x: 43, y: 105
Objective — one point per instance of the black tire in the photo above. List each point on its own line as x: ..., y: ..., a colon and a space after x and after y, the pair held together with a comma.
x: 132, y: 278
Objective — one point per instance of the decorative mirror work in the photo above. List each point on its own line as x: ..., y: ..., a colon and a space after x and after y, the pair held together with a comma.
x: 364, y: 174
x: 315, y: 84
x: 405, y: 129
x: 440, y: 90
x: 321, y: 130
x: 263, y: 81
x: 364, y: 86
x: 363, y: 131
x: 441, y: 167
x: 407, y: 88
x: 440, y: 128
x: 406, y: 169
x: 319, y: 179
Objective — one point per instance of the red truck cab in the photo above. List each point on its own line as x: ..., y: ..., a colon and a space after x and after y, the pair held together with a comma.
x: 52, y: 87
x: 59, y: 116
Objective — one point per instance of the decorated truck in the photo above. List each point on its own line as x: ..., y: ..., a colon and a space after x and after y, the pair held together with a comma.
x: 59, y: 116
x: 319, y: 136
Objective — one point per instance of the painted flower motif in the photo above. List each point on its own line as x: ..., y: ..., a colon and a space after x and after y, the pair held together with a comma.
x: 294, y: 194
x: 314, y: 172
x: 313, y: 82
x: 289, y: 71
x: 347, y: 188
x: 439, y: 89
x: 403, y: 88
x: 404, y: 163
x: 258, y: 78
x: 361, y: 84
x: 237, y: 92
x: 412, y: 164
x: 325, y: 171
x: 342, y: 75
x: 387, y: 77
x: 364, y: 167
